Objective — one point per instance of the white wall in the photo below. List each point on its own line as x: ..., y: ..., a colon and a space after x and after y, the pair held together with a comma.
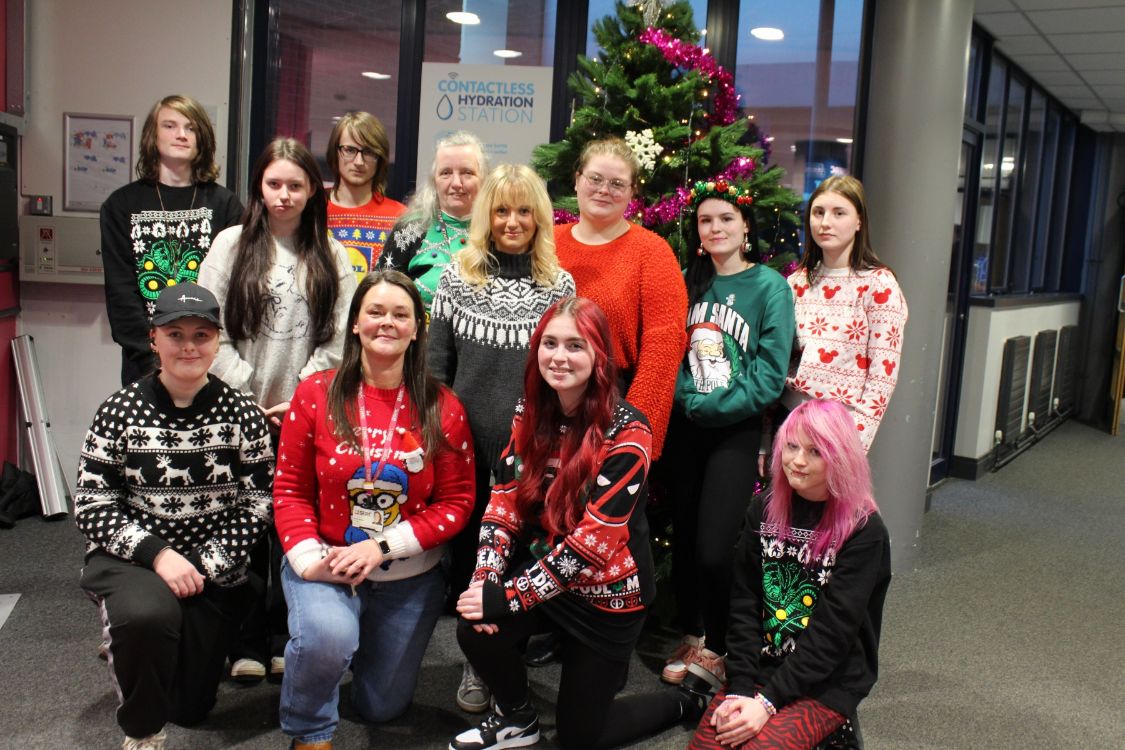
x: 103, y: 57
x: 989, y: 328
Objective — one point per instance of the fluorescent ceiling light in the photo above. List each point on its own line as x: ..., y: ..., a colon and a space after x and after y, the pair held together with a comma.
x: 767, y: 34
x: 507, y: 53
x: 375, y: 76
x: 843, y: 140
x: 458, y: 16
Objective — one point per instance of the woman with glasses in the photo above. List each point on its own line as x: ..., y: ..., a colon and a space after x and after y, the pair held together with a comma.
x: 632, y: 274
x: 436, y: 222
x: 360, y: 215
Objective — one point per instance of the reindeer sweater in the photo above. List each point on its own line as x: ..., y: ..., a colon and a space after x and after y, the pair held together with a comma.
x: 849, y: 340
x: 152, y: 475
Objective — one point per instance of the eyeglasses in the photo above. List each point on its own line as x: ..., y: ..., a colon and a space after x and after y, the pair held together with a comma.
x: 614, y: 186
x: 350, y: 153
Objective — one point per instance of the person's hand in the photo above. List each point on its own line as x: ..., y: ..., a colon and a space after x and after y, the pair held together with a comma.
x: 355, y: 561
x: 738, y: 719
x: 319, y: 571
x: 180, y: 575
x: 470, y: 604
x: 275, y: 413
x: 487, y: 628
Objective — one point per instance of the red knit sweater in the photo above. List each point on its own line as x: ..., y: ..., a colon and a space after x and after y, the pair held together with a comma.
x: 637, y: 281
x: 319, y: 477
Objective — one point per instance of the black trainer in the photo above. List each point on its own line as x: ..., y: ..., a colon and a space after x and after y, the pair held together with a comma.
x: 519, y: 729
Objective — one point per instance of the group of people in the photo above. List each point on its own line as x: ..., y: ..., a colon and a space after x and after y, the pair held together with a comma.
x: 458, y: 405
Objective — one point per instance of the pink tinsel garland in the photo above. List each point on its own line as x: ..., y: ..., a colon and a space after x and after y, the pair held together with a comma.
x: 691, y: 56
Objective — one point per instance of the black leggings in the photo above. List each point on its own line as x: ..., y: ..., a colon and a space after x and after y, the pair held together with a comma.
x: 587, y: 715
x: 712, y: 481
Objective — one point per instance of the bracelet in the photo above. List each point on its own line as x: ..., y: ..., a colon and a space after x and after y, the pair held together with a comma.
x: 765, y: 703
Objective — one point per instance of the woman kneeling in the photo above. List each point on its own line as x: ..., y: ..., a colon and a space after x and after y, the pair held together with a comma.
x: 810, y: 577
x: 374, y: 476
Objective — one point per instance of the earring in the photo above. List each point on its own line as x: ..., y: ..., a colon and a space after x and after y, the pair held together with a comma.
x: 746, y: 243
x: 700, y: 251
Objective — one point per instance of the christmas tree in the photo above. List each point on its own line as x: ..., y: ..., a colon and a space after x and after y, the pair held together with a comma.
x: 677, y: 108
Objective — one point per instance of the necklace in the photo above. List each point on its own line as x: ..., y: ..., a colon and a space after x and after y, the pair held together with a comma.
x: 385, y: 451
x: 445, y: 233
x: 194, y: 190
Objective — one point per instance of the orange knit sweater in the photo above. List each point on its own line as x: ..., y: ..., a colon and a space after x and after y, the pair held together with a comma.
x: 637, y: 281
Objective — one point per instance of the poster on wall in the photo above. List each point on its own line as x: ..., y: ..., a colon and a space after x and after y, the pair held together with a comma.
x: 508, y: 107
x: 98, y: 158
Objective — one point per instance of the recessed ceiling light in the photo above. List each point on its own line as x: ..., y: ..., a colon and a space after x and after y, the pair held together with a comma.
x: 843, y: 140
x: 507, y: 53
x: 767, y: 34
x: 375, y: 76
x: 462, y: 17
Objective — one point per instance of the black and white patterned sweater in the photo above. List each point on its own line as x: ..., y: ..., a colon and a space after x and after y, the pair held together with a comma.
x: 198, y: 479
x: 478, y: 342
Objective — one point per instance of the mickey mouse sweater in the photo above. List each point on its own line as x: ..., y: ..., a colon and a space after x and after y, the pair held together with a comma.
x: 849, y: 341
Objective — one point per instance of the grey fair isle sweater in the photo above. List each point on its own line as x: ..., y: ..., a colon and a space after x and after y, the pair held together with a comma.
x: 269, y: 366
x: 479, y: 339
x: 198, y: 479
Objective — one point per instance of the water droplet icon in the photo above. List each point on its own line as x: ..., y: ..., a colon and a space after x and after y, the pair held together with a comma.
x: 444, y: 107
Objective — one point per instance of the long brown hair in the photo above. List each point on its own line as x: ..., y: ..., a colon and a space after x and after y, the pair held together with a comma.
x: 247, y: 296
x: 423, y: 389
x: 579, y: 445
x: 862, y: 254
x: 203, y: 166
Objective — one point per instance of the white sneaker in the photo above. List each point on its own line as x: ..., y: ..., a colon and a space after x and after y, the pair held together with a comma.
x: 247, y: 671
x: 277, y: 668
x: 152, y: 742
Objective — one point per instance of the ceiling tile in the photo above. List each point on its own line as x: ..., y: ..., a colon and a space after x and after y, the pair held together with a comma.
x: 1078, y: 20
x: 1051, y: 79
x: 1005, y: 24
x: 1041, y: 63
x: 1055, y: 4
x: 993, y: 6
x: 1116, y: 105
x: 1086, y: 43
x: 1083, y: 102
x: 1064, y: 91
x: 1113, y: 61
x: 1110, y: 91
x: 1029, y: 45
x: 1101, y: 77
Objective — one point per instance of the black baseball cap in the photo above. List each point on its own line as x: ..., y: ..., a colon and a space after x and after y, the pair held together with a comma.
x: 186, y: 300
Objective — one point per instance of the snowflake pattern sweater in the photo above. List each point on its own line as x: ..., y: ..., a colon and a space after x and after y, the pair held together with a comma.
x: 319, y: 493
x: 478, y: 342
x: 152, y: 475
x: 600, y: 561
x: 740, y: 336
x: 637, y: 281
x: 849, y: 340
x: 150, y: 240
x: 801, y: 627
x: 270, y: 365
x: 363, y: 230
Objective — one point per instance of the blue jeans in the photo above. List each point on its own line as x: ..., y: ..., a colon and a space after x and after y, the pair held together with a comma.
x: 382, y: 632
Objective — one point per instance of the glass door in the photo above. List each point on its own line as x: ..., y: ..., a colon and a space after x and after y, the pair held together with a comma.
x: 956, y: 308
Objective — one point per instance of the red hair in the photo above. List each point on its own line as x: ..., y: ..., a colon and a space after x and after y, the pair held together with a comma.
x: 829, y: 426
x: 578, y: 445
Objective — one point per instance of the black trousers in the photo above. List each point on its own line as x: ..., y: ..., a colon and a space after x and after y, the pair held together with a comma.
x: 165, y: 654
x: 712, y: 482
x: 265, y: 629
x: 588, y: 716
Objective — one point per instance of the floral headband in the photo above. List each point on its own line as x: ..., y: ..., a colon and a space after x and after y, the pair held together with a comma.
x: 721, y: 189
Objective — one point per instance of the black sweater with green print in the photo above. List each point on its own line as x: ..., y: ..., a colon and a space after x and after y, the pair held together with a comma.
x: 807, y: 628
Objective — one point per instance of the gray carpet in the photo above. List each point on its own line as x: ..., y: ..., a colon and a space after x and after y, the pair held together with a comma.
x: 1006, y: 634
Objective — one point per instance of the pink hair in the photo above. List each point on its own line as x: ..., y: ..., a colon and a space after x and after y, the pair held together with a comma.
x: 578, y: 447
x: 829, y: 426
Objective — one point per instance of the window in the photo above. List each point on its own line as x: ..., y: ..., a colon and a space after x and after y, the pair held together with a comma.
x: 801, y: 90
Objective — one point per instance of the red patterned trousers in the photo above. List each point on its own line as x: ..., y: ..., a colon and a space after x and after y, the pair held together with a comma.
x: 801, y: 725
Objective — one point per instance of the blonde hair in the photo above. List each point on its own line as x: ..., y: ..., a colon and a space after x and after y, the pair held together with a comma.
x: 611, y: 146
x: 514, y: 186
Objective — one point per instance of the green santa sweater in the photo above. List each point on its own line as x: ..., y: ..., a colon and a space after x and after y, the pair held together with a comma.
x: 740, y: 335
